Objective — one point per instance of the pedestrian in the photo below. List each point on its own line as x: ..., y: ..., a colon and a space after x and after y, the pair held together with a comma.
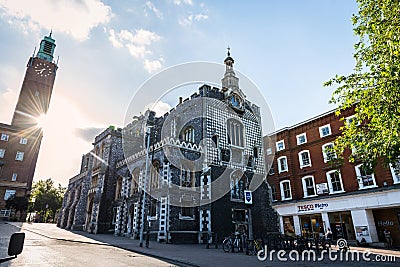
x: 388, y: 238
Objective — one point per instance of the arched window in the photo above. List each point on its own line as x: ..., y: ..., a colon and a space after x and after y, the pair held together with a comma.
x: 235, y: 132
x: 255, y: 152
x: 135, y: 181
x: 237, y: 185
x: 215, y: 140
x: 188, y: 134
x: 154, y: 172
x: 118, y: 188
x: 187, y: 178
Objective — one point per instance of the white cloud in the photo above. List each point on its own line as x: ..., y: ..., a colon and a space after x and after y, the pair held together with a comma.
x: 153, y: 65
x: 138, y: 44
x: 160, y: 108
x: 187, y: 2
x: 140, y: 37
x: 113, y: 39
x: 75, y: 18
x: 153, y: 8
x: 191, y: 18
x: 8, y: 100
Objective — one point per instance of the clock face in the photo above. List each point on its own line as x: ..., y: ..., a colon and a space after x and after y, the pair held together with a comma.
x: 42, y: 69
x: 236, y: 101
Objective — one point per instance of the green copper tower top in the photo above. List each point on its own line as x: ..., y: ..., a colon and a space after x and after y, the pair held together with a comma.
x: 47, y: 46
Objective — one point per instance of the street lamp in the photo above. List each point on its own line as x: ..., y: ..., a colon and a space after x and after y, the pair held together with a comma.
x: 148, y: 129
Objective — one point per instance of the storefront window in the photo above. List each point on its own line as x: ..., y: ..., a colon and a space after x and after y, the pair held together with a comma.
x: 342, y: 225
x: 388, y: 219
x: 288, y: 226
x: 311, y: 225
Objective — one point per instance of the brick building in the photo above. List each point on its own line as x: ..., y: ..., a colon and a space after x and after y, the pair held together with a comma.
x: 198, y: 169
x: 311, y: 191
x: 20, y: 141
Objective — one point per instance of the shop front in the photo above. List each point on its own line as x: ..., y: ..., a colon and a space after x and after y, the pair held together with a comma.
x: 361, y: 217
x: 389, y: 220
x: 312, y: 225
x: 342, y: 225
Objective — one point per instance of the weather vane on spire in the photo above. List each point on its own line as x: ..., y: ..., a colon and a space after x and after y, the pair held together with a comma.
x: 229, y: 53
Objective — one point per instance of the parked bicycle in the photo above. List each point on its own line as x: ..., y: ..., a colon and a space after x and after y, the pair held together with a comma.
x: 232, y: 243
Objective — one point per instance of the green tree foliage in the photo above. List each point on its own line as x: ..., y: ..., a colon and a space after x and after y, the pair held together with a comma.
x: 48, y: 198
x: 373, y: 88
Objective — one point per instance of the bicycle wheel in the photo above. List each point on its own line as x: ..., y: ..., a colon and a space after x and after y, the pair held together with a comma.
x: 227, y: 245
x: 237, y: 246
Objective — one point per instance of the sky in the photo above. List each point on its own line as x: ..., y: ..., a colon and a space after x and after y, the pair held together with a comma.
x: 108, y: 49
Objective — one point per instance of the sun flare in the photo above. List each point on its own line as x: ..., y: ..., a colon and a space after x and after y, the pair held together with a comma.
x: 41, y: 121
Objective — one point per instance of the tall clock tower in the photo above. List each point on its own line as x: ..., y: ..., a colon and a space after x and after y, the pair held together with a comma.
x: 37, y: 87
x: 20, y: 141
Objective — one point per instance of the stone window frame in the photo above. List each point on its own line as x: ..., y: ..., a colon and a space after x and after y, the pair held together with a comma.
x: 280, y: 169
x: 237, y: 186
x: 322, y: 134
x: 306, y: 186
x: 19, y: 156
x: 187, y: 178
x: 283, y: 190
x: 361, y: 178
x: 5, y: 137
x: 330, y: 185
x: 395, y: 171
x: 278, y: 143
x: 302, y: 160
x: 235, y: 133
x: 325, y: 155
x: 299, y: 142
x: 188, y: 134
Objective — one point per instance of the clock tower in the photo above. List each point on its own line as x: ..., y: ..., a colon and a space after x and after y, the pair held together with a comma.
x: 37, y: 87
x: 20, y: 141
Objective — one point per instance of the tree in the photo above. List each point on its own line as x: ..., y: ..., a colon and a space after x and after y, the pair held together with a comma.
x: 19, y: 204
x: 373, y: 89
x: 48, y: 199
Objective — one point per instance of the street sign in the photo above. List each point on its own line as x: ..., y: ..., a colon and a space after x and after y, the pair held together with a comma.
x: 248, y: 197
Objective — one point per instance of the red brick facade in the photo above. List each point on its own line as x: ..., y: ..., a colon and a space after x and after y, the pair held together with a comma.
x: 321, y: 190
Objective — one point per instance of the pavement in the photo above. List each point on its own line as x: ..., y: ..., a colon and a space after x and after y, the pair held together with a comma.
x: 189, y: 254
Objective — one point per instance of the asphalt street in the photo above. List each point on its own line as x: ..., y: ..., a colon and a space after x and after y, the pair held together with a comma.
x: 47, y: 245
x: 43, y: 251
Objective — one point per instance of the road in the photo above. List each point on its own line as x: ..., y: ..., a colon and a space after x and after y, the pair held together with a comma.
x: 43, y: 251
x: 47, y: 245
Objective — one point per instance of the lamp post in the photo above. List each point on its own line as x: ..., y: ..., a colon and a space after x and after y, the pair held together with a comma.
x: 145, y: 187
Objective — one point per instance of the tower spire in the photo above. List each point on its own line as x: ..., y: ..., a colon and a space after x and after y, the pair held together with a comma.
x: 230, y: 83
x: 46, y: 49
